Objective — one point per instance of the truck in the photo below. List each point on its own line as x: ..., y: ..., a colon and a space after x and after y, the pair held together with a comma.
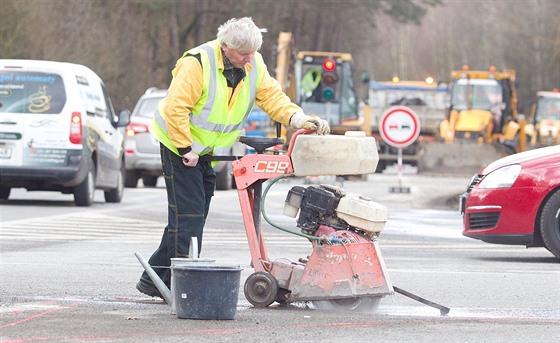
x: 324, y: 86
x: 543, y: 122
x: 482, y: 123
x: 426, y: 98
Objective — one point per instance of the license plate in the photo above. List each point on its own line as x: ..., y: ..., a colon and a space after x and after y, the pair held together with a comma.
x: 5, y: 152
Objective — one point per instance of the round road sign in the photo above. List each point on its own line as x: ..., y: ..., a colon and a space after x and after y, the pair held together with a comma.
x: 399, y: 126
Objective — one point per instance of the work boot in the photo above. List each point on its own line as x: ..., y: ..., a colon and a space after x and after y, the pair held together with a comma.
x: 148, y: 288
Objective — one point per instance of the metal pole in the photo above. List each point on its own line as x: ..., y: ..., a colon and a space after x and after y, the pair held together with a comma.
x: 399, y: 168
x: 442, y: 309
x: 165, y: 292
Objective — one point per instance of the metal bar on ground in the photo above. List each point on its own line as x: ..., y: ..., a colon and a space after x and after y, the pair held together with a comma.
x: 442, y: 309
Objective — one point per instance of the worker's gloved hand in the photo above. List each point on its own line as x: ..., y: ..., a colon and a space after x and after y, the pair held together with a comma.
x: 302, y: 121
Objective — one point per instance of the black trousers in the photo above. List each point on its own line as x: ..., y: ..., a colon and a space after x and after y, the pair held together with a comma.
x: 189, y: 192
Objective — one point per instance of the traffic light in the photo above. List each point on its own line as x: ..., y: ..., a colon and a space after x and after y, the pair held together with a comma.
x: 329, y: 80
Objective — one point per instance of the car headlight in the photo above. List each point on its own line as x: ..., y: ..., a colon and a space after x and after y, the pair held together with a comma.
x: 501, y: 178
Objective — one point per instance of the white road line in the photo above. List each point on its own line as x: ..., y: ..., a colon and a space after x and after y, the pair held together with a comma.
x: 101, y: 227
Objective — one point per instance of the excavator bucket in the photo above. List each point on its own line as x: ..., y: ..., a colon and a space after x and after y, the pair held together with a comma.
x: 459, y: 157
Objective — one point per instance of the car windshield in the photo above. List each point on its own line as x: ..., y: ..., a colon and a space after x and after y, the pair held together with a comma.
x: 548, y: 108
x: 148, y: 107
x: 476, y: 94
x: 31, y: 92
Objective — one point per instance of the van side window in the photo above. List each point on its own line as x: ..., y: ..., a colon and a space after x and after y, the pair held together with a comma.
x: 31, y: 92
x: 110, y: 111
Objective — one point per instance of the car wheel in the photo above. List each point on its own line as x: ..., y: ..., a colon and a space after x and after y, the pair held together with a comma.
x: 131, y: 179
x: 223, y: 178
x: 550, y: 224
x: 84, y: 192
x: 4, y: 192
x: 380, y: 167
x: 116, y: 194
x: 150, y: 181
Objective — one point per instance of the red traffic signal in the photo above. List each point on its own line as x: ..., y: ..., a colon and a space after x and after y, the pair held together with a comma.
x: 329, y: 79
x: 329, y: 64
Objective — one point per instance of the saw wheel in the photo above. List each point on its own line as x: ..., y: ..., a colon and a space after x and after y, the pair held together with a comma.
x: 261, y: 289
x: 359, y: 304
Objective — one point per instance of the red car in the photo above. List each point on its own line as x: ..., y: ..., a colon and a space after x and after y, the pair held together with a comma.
x: 516, y: 200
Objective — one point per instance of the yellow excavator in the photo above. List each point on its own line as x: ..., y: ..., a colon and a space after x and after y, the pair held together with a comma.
x: 482, y: 124
x: 322, y: 84
x: 543, y: 122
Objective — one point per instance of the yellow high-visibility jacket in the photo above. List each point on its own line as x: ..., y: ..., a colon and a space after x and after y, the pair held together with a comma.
x: 201, y: 112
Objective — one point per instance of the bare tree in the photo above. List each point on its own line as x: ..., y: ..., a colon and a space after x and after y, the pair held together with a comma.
x: 134, y: 44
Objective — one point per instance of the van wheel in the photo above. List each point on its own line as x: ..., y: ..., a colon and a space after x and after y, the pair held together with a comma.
x: 550, y: 224
x: 116, y: 194
x: 131, y: 179
x: 149, y: 181
x: 84, y: 192
x: 4, y: 192
x: 223, y: 178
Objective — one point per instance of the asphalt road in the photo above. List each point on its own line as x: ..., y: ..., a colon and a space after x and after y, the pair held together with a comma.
x: 67, y: 274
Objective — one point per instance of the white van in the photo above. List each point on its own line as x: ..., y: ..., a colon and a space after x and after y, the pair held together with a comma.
x: 59, y: 131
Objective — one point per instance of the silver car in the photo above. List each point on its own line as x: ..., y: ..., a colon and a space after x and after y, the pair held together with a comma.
x: 142, y: 156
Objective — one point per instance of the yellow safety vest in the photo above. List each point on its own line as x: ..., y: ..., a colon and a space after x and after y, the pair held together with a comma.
x: 310, y: 81
x: 214, y: 127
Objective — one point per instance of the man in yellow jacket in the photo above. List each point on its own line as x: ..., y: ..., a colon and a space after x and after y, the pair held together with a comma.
x: 213, y: 90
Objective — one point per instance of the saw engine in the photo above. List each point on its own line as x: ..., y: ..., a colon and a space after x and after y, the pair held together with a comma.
x: 326, y: 208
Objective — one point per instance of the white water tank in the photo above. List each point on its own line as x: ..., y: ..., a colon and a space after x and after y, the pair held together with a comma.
x: 351, y: 154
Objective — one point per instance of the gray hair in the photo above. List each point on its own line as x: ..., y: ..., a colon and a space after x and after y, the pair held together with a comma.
x: 241, y: 34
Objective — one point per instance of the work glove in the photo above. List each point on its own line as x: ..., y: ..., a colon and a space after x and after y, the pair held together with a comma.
x: 302, y: 121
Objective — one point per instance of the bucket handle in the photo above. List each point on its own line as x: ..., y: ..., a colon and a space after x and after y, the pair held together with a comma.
x: 193, y: 248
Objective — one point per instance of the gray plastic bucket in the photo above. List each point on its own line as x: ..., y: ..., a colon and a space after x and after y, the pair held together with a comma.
x: 205, y: 292
x: 182, y: 262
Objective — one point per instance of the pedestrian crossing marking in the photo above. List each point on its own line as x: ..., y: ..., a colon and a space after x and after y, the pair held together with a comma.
x: 103, y: 228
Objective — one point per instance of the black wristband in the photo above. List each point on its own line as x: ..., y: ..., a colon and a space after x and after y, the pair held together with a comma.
x: 183, y: 151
